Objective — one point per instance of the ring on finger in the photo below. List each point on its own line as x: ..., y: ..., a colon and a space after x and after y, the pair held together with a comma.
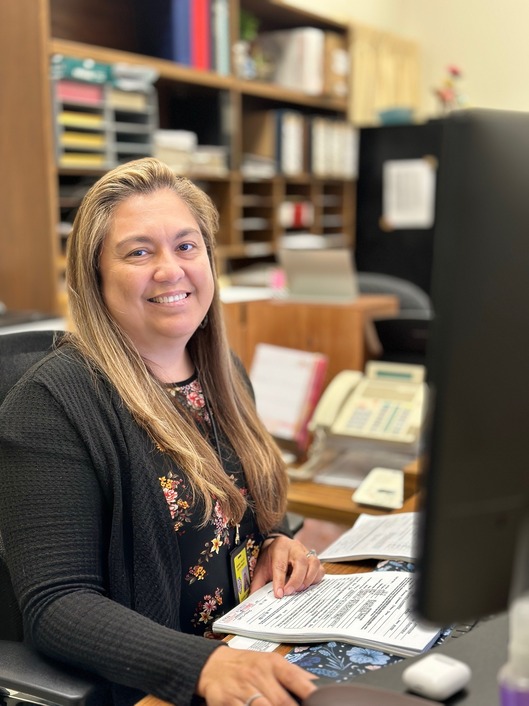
x: 252, y: 699
x: 311, y: 552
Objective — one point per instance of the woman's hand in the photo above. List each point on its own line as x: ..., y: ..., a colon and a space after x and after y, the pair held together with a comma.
x: 288, y: 564
x: 232, y: 677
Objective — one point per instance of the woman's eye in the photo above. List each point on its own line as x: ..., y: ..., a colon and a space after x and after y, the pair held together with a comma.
x: 138, y: 253
x: 186, y: 247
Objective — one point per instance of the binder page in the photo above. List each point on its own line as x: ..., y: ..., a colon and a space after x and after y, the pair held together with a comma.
x: 284, y: 380
x: 376, y: 537
x: 371, y: 610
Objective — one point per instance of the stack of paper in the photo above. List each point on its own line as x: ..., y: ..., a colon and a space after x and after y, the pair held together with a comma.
x: 370, y: 610
x: 376, y: 537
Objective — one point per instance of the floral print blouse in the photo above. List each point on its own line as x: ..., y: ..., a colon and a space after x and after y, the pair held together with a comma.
x: 207, y: 591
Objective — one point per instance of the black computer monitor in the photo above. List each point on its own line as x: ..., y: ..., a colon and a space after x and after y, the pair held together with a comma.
x: 476, y: 469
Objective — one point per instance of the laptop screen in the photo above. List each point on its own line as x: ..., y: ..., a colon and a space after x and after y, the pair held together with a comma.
x: 319, y: 274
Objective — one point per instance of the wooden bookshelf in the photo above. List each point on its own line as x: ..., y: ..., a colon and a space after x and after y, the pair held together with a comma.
x: 37, y: 204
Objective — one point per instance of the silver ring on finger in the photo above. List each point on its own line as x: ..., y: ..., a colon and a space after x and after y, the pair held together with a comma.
x: 252, y: 699
x: 311, y: 552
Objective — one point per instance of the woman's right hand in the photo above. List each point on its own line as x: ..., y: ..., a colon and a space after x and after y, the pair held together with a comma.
x: 232, y: 677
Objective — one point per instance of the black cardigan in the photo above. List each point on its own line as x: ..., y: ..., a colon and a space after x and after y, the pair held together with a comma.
x: 95, y: 568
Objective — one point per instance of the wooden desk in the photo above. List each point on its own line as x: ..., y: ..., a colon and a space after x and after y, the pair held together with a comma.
x: 335, y: 504
x: 340, y: 331
x: 358, y: 567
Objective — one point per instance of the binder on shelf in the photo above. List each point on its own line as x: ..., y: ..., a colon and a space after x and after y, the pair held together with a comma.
x: 181, y: 31
x: 290, y: 142
x: 200, y: 16
x: 278, y: 135
x: 220, y: 36
x: 333, y: 148
x: 318, y: 146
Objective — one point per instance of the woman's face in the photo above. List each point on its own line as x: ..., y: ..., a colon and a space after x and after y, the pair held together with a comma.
x: 156, y: 277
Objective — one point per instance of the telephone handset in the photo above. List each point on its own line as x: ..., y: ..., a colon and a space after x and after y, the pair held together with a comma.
x: 333, y: 399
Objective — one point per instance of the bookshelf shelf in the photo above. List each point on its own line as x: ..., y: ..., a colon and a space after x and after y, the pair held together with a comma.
x: 38, y: 203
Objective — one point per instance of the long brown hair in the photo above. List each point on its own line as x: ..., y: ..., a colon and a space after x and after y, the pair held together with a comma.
x: 107, y: 347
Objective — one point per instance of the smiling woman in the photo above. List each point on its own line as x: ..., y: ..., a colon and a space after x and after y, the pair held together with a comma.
x: 157, y: 280
x: 156, y: 481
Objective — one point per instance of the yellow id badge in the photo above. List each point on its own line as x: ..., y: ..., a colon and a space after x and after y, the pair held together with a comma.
x: 240, y: 572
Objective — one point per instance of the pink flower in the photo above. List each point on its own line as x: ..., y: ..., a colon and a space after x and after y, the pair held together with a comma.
x: 454, y: 70
x: 170, y: 495
x: 446, y: 95
x: 196, y: 400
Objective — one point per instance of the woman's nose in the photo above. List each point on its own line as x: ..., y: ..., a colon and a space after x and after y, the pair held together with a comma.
x: 168, y: 269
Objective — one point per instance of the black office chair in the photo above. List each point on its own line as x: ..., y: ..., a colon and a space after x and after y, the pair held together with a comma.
x: 403, y: 338
x: 25, y: 676
x: 412, y: 299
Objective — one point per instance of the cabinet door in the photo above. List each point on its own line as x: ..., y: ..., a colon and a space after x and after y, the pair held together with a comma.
x: 332, y: 329
x: 339, y: 331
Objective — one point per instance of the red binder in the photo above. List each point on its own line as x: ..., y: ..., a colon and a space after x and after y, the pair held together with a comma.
x: 201, y: 34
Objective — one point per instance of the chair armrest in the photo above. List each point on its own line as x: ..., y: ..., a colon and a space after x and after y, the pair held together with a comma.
x: 24, y: 670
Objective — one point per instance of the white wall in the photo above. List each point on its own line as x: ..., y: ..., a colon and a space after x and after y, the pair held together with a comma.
x: 487, y: 39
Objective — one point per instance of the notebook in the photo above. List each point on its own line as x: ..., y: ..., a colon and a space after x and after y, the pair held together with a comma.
x: 319, y: 275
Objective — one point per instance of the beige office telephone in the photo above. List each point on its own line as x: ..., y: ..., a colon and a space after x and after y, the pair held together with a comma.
x: 385, y: 403
x: 376, y: 416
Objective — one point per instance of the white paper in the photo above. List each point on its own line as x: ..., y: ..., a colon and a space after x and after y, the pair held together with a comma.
x: 283, y: 380
x: 371, y: 610
x: 377, y: 537
x: 249, y: 643
x: 408, y: 195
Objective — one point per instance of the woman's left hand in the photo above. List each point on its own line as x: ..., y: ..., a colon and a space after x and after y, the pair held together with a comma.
x: 289, y: 565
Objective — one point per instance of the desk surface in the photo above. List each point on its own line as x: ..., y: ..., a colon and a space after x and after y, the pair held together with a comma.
x: 335, y: 504
x: 484, y: 649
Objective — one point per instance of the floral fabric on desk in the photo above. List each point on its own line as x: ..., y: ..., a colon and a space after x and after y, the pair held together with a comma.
x: 335, y: 662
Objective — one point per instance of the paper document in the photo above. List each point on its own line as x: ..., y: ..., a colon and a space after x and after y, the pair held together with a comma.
x: 249, y: 643
x: 371, y: 610
x: 376, y: 537
x: 409, y: 193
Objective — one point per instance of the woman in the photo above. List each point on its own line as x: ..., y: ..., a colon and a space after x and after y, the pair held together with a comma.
x: 134, y: 467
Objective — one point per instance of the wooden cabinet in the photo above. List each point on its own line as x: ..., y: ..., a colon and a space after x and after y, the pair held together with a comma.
x: 340, y: 331
x: 39, y: 199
